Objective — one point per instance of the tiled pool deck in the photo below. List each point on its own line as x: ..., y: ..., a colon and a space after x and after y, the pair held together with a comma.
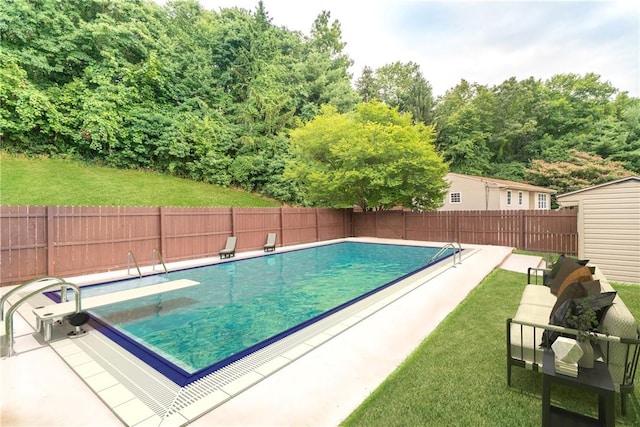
x: 341, y: 366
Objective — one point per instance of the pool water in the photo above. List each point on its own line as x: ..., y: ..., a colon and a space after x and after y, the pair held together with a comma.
x: 242, y: 305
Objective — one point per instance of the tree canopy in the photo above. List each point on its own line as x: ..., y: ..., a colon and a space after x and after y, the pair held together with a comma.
x: 178, y: 89
x: 214, y: 95
x: 502, y: 130
x: 373, y: 157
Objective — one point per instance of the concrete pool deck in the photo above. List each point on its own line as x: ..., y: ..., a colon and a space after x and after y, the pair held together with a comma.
x: 319, y: 389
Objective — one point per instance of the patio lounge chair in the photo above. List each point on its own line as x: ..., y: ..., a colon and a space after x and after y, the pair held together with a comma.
x: 229, y: 250
x: 271, y: 242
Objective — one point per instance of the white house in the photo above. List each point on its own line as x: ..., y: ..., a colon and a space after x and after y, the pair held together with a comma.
x: 609, y: 226
x: 470, y: 192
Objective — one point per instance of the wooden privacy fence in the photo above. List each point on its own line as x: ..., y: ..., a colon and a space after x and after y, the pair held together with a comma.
x: 71, y: 240
x: 543, y: 231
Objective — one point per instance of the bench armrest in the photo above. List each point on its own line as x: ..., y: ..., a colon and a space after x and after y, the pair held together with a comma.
x: 605, y: 341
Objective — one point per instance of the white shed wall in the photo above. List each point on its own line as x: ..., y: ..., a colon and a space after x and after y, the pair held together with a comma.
x: 609, y: 224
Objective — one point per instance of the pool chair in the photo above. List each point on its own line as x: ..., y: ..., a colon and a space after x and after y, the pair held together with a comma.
x: 229, y: 250
x: 271, y: 242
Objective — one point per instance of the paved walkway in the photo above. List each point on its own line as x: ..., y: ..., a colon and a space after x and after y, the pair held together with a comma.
x: 320, y: 389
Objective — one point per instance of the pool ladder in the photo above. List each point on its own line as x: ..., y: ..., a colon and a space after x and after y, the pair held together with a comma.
x: 156, y: 256
x: 131, y: 256
x: 6, y: 341
x: 456, y: 250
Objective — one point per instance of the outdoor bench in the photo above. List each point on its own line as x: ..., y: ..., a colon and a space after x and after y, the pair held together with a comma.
x: 618, y: 343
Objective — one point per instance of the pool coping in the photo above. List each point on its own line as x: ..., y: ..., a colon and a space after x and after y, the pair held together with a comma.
x: 131, y: 409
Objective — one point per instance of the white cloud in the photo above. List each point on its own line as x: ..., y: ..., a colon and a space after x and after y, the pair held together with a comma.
x: 480, y: 41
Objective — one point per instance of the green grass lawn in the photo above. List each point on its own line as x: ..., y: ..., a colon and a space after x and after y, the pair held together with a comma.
x: 45, y: 181
x: 458, y: 377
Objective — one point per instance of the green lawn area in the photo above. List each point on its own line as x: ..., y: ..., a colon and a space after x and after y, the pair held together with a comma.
x: 46, y: 181
x: 457, y: 377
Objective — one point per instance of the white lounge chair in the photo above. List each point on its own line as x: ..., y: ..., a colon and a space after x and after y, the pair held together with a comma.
x: 229, y: 250
x: 271, y: 242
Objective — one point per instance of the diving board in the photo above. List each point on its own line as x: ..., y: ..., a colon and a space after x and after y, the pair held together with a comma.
x: 46, y: 314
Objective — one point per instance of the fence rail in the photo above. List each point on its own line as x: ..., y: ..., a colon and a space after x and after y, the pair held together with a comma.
x: 72, y: 240
x: 542, y: 231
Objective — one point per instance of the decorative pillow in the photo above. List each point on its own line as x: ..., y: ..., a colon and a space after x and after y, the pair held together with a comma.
x: 600, y: 303
x: 568, y: 292
x: 555, y: 267
x: 582, y: 274
x: 568, y: 267
x: 592, y: 287
x: 575, y: 290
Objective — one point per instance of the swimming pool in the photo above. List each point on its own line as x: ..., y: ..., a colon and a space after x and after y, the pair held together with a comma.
x: 244, y: 305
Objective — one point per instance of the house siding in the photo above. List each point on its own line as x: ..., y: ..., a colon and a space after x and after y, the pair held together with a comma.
x: 472, y: 192
x: 609, y: 228
x: 479, y: 193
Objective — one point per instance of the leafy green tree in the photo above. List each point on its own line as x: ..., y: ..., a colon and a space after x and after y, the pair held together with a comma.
x: 464, y: 127
x: 498, y: 131
x: 325, y: 69
x: 399, y: 85
x: 374, y: 158
x: 366, y: 84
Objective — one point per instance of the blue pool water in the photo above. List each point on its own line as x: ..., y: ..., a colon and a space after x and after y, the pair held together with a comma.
x: 244, y: 305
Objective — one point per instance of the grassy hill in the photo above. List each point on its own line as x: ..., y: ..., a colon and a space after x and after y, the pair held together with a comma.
x: 44, y: 181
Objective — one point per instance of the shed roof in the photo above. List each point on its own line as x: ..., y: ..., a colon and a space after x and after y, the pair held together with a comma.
x: 503, y: 183
x: 617, y: 181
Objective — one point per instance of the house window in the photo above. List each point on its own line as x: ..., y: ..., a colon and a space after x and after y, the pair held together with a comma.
x: 542, y: 201
x: 508, y: 197
x: 520, y: 198
x: 455, y: 197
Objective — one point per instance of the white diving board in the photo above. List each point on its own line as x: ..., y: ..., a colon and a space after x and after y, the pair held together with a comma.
x: 46, y: 314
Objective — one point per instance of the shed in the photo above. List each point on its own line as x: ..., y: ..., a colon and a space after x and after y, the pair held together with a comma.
x: 609, y: 226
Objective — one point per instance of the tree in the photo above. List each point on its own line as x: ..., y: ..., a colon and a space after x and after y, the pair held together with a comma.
x: 579, y: 170
x: 464, y: 123
x: 374, y: 157
x: 399, y: 85
x: 325, y: 69
x: 366, y: 84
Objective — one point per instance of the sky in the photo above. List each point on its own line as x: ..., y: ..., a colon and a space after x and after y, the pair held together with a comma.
x: 485, y: 42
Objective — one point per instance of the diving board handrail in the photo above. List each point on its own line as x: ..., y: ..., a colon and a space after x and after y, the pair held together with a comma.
x: 156, y: 254
x: 450, y: 245
x: 58, y: 281
x: 6, y: 344
x: 130, y: 256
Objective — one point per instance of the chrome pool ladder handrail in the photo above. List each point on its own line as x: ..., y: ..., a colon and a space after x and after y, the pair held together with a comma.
x: 6, y: 344
x: 450, y: 245
x: 157, y: 255
x: 58, y: 281
x: 130, y: 256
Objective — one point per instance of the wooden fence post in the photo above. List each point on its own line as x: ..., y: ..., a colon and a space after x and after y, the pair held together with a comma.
x: 51, y: 269
x: 233, y: 222
x: 523, y: 230
x: 404, y: 225
x: 281, y: 227
x: 163, y: 243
